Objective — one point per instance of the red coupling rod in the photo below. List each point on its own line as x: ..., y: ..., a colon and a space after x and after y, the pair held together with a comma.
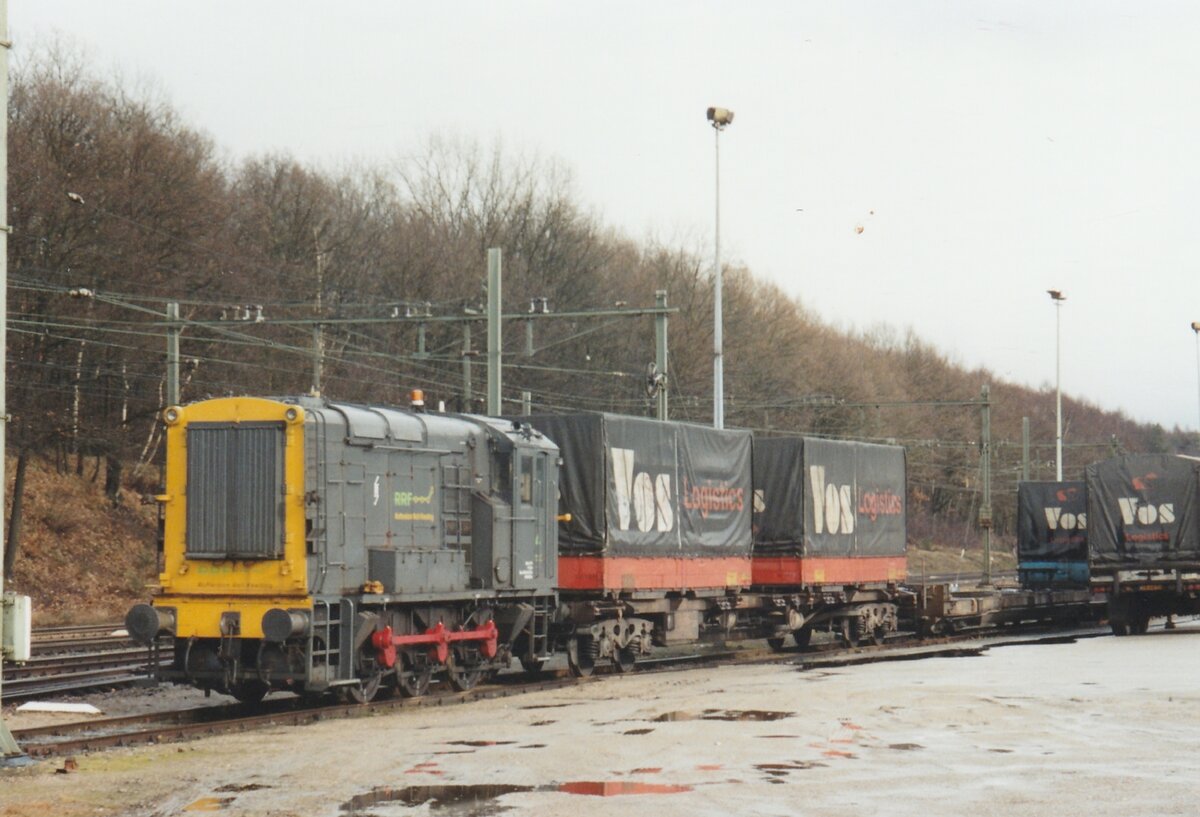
x: 437, y: 638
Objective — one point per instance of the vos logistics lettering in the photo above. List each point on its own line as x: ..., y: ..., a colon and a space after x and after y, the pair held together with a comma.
x: 652, y: 500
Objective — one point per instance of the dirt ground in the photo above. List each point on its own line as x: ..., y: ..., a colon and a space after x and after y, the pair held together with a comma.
x: 1103, y: 726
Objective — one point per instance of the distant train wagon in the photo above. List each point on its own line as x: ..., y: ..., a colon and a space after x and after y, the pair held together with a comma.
x: 1052, y: 544
x: 1143, y: 514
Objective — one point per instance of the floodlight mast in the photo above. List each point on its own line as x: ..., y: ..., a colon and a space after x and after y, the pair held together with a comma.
x: 1058, y: 297
x: 720, y: 118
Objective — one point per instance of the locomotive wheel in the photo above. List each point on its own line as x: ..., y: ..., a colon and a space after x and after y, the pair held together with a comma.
x: 624, y: 660
x: 249, y: 692
x: 775, y: 643
x: 413, y: 681
x: 366, y: 689
x: 579, y: 656
x: 878, y: 635
x: 1140, y: 625
x: 1119, y: 627
x: 802, y: 637
x: 462, y: 674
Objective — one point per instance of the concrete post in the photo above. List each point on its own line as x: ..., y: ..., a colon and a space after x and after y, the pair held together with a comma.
x: 1024, y: 449
x: 467, y: 352
x: 660, y: 352
x: 493, y: 332
x: 173, y: 354
x: 985, y: 505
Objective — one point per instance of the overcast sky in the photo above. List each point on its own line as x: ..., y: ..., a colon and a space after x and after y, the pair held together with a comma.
x: 988, y: 150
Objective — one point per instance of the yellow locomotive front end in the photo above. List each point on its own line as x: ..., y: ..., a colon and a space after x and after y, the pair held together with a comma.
x: 234, y: 585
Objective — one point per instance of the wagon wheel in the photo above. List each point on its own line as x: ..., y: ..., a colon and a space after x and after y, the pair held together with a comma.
x: 413, y: 675
x: 463, y: 671
x: 624, y: 659
x: 802, y: 637
x: 1119, y: 627
x: 878, y: 635
x: 1140, y: 624
x: 580, y: 658
x: 775, y: 643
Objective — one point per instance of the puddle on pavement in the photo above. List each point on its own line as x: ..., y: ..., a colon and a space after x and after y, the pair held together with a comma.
x: 542, y: 723
x: 232, y: 787
x: 479, y: 742
x: 545, y: 706
x: 637, y: 731
x: 723, y: 715
x: 779, y: 737
x: 533, y: 746
x: 480, y: 800
x: 460, y: 801
x: 619, y: 787
x: 780, y: 770
x: 905, y: 747
x: 1001, y: 751
x: 210, y: 804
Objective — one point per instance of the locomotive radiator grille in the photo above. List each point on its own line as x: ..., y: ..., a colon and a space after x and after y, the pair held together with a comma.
x: 235, y: 491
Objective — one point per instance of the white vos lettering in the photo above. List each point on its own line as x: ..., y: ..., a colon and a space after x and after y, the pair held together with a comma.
x: 1133, y: 509
x: 1056, y: 520
x: 833, y: 505
x: 653, y: 506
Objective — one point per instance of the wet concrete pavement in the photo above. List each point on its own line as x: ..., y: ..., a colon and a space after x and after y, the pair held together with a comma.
x: 1104, y: 726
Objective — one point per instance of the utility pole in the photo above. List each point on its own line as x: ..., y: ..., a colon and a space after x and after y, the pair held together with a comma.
x: 1025, y: 449
x: 318, y: 330
x: 493, y: 332
x: 985, y: 505
x: 660, y: 352
x: 173, y: 354
x: 467, y: 354
x: 8, y: 746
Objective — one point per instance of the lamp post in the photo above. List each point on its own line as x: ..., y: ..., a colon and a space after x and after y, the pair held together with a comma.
x: 1057, y: 296
x: 1196, y: 331
x: 720, y: 118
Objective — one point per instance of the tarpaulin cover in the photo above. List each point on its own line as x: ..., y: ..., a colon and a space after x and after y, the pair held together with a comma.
x: 828, y: 498
x: 640, y: 487
x: 1052, y: 521
x: 1142, y: 511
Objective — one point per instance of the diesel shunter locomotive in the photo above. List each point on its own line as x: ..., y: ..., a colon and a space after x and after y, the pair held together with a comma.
x: 310, y: 545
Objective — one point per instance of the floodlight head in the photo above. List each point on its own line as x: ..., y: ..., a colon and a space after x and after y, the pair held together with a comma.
x: 1056, y: 294
x: 720, y: 117
x: 1196, y: 326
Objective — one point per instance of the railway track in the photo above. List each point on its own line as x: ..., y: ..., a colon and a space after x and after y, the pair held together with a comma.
x: 197, y: 722
x: 76, y: 659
